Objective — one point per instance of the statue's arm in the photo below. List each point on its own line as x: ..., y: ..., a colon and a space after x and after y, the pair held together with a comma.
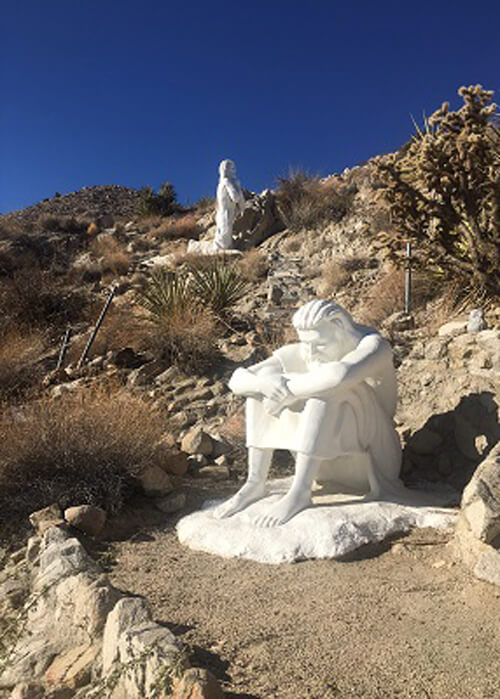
x: 235, y: 193
x: 371, y: 354
x: 260, y: 379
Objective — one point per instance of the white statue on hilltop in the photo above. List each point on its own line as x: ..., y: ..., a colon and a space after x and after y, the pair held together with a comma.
x: 230, y: 201
x: 330, y: 400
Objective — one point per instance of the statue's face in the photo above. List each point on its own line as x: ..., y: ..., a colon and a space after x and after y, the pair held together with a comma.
x: 227, y: 168
x: 323, y: 344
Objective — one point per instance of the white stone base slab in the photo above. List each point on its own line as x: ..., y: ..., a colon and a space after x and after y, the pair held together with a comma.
x: 334, y: 526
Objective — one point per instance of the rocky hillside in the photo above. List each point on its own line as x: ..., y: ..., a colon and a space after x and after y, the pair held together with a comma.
x: 91, y: 203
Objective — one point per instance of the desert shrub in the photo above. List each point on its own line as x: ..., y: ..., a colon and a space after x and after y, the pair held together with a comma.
x: 65, y: 224
x: 161, y: 203
x: 385, y: 297
x: 123, y: 326
x: 187, y: 337
x: 253, y: 265
x: 333, y: 276
x: 10, y: 228
x: 18, y: 351
x: 219, y: 285
x: 83, y: 448
x: 165, y: 293
x: 204, y: 205
x: 185, y: 330
x: 387, y: 294
x: 113, y: 258
x: 176, y: 227
x: 92, y: 230
x: 444, y: 192
x: 33, y: 297
x: 309, y: 202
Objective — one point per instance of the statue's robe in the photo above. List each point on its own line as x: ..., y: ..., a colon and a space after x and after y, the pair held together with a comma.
x: 350, y: 430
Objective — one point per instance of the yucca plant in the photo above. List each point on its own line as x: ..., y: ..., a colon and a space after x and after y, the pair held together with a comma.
x: 166, y: 294
x: 218, y: 285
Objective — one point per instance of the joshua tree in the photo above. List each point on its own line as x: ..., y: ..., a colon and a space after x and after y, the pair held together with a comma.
x: 444, y: 191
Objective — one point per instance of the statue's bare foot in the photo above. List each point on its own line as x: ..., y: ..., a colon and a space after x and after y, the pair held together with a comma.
x: 249, y: 493
x: 283, y: 510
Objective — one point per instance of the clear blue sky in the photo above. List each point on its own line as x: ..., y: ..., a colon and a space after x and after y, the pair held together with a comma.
x: 135, y: 93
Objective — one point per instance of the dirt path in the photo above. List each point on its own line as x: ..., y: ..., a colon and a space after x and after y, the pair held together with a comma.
x: 401, y: 621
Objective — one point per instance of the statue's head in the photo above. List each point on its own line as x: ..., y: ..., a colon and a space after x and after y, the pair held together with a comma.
x: 325, y: 330
x: 227, y: 169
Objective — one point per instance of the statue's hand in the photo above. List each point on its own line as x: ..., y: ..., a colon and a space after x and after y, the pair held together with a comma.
x: 275, y: 387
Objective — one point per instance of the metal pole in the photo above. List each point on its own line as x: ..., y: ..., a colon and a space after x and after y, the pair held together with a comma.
x: 64, y: 348
x: 408, y: 279
x: 96, y: 329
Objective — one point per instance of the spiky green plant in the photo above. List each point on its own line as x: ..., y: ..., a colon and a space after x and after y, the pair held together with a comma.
x: 166, y: 294
x: 218, y: 285
x: 444, y: 192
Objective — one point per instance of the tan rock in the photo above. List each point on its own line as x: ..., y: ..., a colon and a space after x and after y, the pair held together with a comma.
x: 171, y: 503
x: 72, y: 668
x: 171, y: 459
x: 197, y: 683
x: 86, y: 518
x: 481, y: 500
x: 154, y: 481
x: 50, y: 516
x: 128, y: 612
x: 216, y: 473
x: 197, y: 441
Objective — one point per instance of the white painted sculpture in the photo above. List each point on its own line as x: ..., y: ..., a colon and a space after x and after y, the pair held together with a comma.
x: 329, y: 399
x: 230, y: 201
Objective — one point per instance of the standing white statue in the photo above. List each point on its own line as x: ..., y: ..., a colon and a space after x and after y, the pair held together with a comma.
x: 230, y: 201
x: 330, y: 400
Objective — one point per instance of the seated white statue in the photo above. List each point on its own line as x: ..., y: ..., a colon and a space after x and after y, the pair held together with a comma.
x: 329, y: 399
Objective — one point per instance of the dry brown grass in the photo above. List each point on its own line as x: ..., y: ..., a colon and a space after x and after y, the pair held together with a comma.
x: 188, y: 337
x: 113, y: 258
x: 308, y: 202
x: 33, y: 297
x: 253, y: 265
x: 385, y: 297
x: 65, y: 224
x: 124, y: 326
x: 18, y: 351
x: 83, y: 448
x: 11, y: 228
x: 333, y: 276
x: 172, y: 228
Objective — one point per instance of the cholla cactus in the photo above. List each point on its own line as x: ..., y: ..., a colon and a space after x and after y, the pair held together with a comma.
x: 444, y: 190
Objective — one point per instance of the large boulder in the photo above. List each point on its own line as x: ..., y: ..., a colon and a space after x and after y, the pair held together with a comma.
x: 259, y: 220
x: 477, y: 536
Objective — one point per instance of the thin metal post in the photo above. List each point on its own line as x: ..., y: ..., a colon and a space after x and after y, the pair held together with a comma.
x: 64, y: 348
x: 408, y: 278
x: 96, y: 328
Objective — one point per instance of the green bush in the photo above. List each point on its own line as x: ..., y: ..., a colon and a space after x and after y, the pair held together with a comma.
x: 162, y: 203
x: 444, y: 192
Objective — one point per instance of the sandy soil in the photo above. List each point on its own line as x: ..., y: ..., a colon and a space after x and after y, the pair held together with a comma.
x: 397, y: 620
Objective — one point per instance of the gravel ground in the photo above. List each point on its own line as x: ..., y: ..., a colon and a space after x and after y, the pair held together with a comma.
x: 397, y: 620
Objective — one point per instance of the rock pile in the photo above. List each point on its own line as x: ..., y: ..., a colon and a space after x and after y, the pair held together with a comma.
x: 74, y: 635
